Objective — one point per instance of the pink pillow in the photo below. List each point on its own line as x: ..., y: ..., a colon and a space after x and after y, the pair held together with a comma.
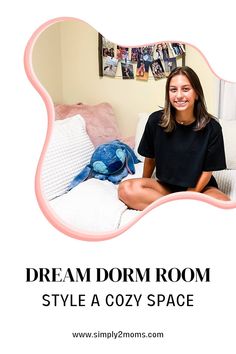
x: 101, y: 124
x: 100, y: 120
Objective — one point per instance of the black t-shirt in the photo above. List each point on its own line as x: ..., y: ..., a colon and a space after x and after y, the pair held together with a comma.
x: 182, y: 155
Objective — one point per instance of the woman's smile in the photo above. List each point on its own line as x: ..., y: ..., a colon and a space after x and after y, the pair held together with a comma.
x: 181, y: 103
x: 182, y: 95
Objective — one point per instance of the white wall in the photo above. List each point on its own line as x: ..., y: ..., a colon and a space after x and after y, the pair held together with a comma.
x: 71, y: 47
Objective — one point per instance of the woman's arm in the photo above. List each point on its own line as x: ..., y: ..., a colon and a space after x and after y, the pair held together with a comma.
x: 148, y: 168
x: 202, y: 182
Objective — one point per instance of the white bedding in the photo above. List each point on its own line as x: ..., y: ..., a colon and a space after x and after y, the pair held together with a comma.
x: 93, y: 206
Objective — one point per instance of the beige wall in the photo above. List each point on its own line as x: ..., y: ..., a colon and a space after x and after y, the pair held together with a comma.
x: 210, y: 82
x: 47, y: 61
x: 65, y: 59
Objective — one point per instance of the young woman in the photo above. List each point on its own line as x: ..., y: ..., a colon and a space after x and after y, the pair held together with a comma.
x: 183, y: 142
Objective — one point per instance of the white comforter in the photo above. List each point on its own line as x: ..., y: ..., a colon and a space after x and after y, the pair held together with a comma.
x: 93, y: 206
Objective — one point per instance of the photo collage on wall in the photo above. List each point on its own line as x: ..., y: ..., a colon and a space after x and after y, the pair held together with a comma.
x: 141, y: 63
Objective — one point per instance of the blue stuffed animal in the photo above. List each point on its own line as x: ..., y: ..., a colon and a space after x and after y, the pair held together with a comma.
x: 112, y: 161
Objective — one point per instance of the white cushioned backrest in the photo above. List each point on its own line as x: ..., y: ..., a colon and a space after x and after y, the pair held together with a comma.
x: 229, y: 133
x: 68, y: 152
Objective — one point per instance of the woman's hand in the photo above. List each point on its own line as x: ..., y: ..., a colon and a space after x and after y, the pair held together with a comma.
x: 202, y: 182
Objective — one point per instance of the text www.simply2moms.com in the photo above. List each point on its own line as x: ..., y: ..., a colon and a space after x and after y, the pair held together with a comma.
x: 117, y: 335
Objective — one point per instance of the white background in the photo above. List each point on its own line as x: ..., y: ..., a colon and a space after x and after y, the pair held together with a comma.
x: 178, y: 234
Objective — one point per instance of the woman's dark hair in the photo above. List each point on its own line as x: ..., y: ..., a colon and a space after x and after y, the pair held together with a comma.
x: 200, y: 110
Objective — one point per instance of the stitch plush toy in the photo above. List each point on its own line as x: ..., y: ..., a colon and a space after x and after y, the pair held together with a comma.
x: 112, y: 161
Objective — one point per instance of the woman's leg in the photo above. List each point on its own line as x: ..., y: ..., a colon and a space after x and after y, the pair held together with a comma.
x: 215, y: 193
x: 138, y: 193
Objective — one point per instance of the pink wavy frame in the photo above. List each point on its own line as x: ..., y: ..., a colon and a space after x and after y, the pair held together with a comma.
x: 47, y: 211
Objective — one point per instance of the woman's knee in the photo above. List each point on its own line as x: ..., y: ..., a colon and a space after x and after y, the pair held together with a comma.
x: 125, y: 190
x: 128, y: 189
x: 217, y: 194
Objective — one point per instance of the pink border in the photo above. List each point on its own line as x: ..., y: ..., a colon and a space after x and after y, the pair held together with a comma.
x: 49, y: 214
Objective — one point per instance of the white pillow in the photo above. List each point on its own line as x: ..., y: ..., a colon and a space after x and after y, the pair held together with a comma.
x: 229, y: 133
x: 142, y: 120
x: 69, y: 150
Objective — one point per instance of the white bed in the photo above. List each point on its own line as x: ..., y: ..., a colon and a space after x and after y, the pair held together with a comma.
x: 93, y: 206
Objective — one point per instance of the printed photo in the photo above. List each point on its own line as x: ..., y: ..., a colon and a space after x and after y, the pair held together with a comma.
x: 162, y: 51
x: 127, y: 70
x: 170, y: 64
x: 157, y: 69
x: 135, y: 54
x: 147, y: 53
x: 110, y: 66
x: 145, y: 58
x: 177, y: 49
x: 122, y: 53
x: 142, y: 71
x: 108, y: 48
